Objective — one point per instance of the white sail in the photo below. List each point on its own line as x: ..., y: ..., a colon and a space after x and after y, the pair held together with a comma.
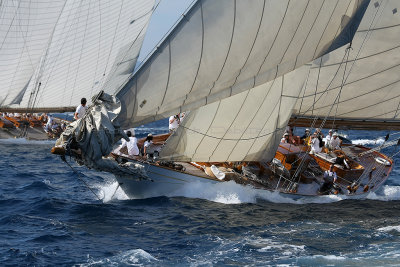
x: 221, y: 48
x: 94, y: 46
x: 245, y: 127
x: 25, y: 29
x: 369, y: 73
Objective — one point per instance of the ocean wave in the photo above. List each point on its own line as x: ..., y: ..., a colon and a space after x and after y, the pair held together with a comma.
x: 110, y: 191
x: 136, y: 257
x: 233, y: 193
x: 378, y: 141
x: 24, y: 141
x: 390, y: 228
x: 385, y: 193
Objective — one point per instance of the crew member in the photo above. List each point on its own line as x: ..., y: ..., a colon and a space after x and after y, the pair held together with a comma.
x: 131, y: 146
x: 81, y: 110
x: 174, y: 123
x: 335, y: 142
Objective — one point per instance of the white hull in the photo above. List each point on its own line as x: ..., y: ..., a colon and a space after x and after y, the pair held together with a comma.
x: 164, y: 182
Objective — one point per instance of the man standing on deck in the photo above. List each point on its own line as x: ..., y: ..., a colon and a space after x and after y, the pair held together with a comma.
x: 131, y: 146
x: 173, y: 123
x: 81, y: 109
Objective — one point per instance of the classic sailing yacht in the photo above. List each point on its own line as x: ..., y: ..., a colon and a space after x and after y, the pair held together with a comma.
x: 241, y: 68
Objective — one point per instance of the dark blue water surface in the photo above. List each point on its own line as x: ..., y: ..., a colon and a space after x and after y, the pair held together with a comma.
x: 49, y: 217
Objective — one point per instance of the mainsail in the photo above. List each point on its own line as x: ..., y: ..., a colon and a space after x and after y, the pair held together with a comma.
x: 358, y: 87
x: 222, y: 48
x: 25, y: 29
x: 92, y: 45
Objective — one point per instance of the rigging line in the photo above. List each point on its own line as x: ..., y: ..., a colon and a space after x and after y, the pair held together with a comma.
x: 370, y: 26
x: 80, y: 55
x: 367, y: 37
x: 342, y: 85
x: 98, y: 50
x: 80, y: 178
x: 326, y: 89
x: 40, y: 67
x: 115, y: 33
x: 136, y: 38
x: 316, y: 86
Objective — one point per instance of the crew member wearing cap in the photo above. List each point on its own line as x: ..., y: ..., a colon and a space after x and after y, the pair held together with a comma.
x: 285, y: 138
x: 306, y: 137
x: 328, y: 138
x: 335, y: 142
x: 81, y: 109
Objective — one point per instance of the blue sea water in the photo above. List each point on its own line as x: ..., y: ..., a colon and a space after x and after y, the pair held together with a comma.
x: 49, y: 218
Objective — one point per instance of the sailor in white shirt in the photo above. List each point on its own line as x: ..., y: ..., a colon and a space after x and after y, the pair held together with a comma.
x: 335, y: 142
x: 174, y: 122
x: 315, y: 148
x: 131, y: 146
x: 49, y: 124
x: 328, y: 138
x: 81, y: 110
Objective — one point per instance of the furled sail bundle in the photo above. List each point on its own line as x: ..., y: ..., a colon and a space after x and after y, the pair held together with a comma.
x: 25, y: 30
x: 358, y: 87
x: 93, y: 45
x: 222, y: 48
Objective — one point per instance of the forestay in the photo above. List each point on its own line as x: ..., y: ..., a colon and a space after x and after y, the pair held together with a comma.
x: 94, y: 45
x: 370, y: 74
x: 222, y: 48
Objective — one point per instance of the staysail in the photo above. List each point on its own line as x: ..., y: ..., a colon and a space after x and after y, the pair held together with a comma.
x: 94, y: 46
x: 222, y: 48
x: 243, y: 127
x: 358, y: 87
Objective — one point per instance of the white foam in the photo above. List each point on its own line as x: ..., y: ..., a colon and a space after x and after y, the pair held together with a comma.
x: 24, y: 141
x: 378, y: 141
x: 233, y: 193
x: 110, y: 191
x: 386, y: 193
x: 390, y: 228
x: 131, y: 257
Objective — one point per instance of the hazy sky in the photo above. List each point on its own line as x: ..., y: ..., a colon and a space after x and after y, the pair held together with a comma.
x: 164, y: 17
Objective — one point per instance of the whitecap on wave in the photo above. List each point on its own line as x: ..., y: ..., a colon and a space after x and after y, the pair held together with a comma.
x: 390, y: 228
x: 110, y: 190
x: 131, y: 257
x: 386, y: 193
x: 378, y: 141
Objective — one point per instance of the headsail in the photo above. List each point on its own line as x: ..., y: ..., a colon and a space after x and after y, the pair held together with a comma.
x: 245, y: 127
x: 222, y: 48
x: 94, y: 46
x: 358, y: 87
